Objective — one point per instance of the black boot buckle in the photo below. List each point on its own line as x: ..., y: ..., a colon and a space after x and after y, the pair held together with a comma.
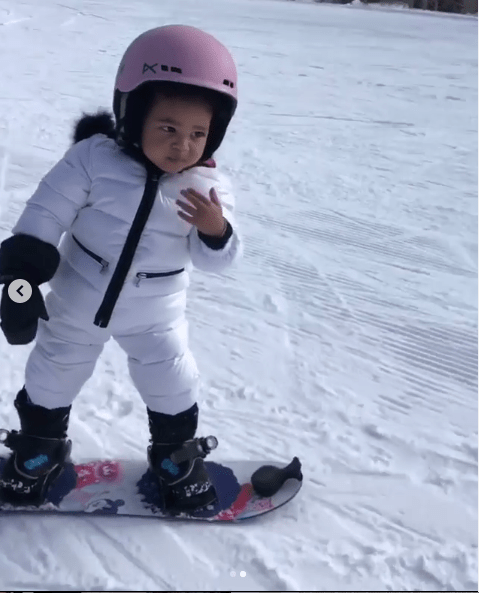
x: 199, y: 447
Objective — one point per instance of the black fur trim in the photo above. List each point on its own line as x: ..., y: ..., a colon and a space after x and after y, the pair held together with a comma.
x: 90, y: 124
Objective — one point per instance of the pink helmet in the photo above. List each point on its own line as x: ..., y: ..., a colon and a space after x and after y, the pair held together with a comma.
x: 180, y: 54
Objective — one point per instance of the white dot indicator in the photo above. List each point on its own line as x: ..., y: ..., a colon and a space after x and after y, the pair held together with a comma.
x: 232, y: 573
x: 243, y: 573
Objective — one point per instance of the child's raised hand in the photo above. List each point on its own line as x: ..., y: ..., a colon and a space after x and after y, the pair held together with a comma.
x: 206, y: 215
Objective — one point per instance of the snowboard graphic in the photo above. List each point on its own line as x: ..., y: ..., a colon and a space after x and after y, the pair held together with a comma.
x: 245, y: 489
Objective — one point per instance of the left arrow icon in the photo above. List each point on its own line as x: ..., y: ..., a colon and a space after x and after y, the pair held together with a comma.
x: 20, y: 291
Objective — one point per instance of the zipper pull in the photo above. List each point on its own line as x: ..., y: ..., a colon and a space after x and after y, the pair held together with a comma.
x: 104, y: 266
x: 139, y: 278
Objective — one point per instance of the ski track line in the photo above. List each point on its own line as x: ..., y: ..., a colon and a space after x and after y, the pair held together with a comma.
x: 389, y: 543
x: 390, y: 255
x: 294, y: 361
x: 462, y: 466
x: 362, y: 551
x: 143, y: 568
x: 381, y: 524
x: 308, y: 276
x: 84, y: 14
x: 38, y: 560
x: 301, y: 424
x: 254, y: 555
x: 362, y: 296
x: 15, y: 21
x: 415, y: 346
x: 427, y: 348
x: 193, y: 553
x: 439, y: 364
x: 303, y: 435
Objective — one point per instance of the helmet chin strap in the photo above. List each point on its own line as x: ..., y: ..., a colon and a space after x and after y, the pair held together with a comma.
x: 120, y: 134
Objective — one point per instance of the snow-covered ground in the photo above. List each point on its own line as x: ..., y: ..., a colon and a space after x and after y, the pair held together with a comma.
x: 348, y: 334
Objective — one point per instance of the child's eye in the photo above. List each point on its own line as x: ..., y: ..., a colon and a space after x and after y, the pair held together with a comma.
x: 173, y: 130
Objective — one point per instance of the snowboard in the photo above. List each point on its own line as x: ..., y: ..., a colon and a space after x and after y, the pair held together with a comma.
x: 245, y: 489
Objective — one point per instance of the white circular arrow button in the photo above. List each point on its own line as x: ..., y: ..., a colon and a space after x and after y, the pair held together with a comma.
x: 19, y: 291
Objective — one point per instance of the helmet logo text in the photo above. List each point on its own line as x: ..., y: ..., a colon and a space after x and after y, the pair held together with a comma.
x: 147, y: 67
x: 164, y: 68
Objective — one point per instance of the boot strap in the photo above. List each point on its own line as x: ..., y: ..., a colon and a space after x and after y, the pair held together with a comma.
x: 194, y: 448
x: 17, y: 441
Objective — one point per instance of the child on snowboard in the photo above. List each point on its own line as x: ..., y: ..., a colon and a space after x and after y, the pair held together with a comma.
x: 140, y: 201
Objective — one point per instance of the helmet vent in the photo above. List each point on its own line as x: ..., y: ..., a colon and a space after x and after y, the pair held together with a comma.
x: 228, y: 83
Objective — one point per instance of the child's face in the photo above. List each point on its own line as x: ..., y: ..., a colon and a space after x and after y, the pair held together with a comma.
x: 175, y: 132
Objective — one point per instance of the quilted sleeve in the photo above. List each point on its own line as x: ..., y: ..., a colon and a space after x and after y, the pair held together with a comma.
x: 61, y: 193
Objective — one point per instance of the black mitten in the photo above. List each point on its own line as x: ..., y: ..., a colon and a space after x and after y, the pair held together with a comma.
x: 19, y: 321
x: 31, y: 259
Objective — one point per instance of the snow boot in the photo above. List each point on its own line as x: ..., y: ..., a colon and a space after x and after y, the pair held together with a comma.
x: 40, y: 451
x: 176, y: 458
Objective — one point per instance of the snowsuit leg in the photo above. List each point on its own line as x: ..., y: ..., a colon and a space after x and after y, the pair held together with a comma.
x: 162, y: 367
x: 64, y: 356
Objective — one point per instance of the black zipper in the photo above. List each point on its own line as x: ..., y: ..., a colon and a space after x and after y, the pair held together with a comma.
x: 104, y: 313
x: 104, y: 263
x: 141, y: 275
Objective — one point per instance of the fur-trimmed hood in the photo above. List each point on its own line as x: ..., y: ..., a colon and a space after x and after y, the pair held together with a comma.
x: 90, y: 124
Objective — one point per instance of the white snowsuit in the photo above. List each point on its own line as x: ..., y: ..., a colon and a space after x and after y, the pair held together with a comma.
x: 92, y: 195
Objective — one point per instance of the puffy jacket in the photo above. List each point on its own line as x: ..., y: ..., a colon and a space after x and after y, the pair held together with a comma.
x: 91, y: 197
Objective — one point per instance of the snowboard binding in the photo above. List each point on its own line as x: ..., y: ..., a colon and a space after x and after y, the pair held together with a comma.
x: 32, y: 469
x: 183, y: 482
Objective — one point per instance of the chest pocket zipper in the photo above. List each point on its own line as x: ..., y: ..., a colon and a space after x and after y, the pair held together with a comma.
x: 104, y: 263
x: 142, y: 275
